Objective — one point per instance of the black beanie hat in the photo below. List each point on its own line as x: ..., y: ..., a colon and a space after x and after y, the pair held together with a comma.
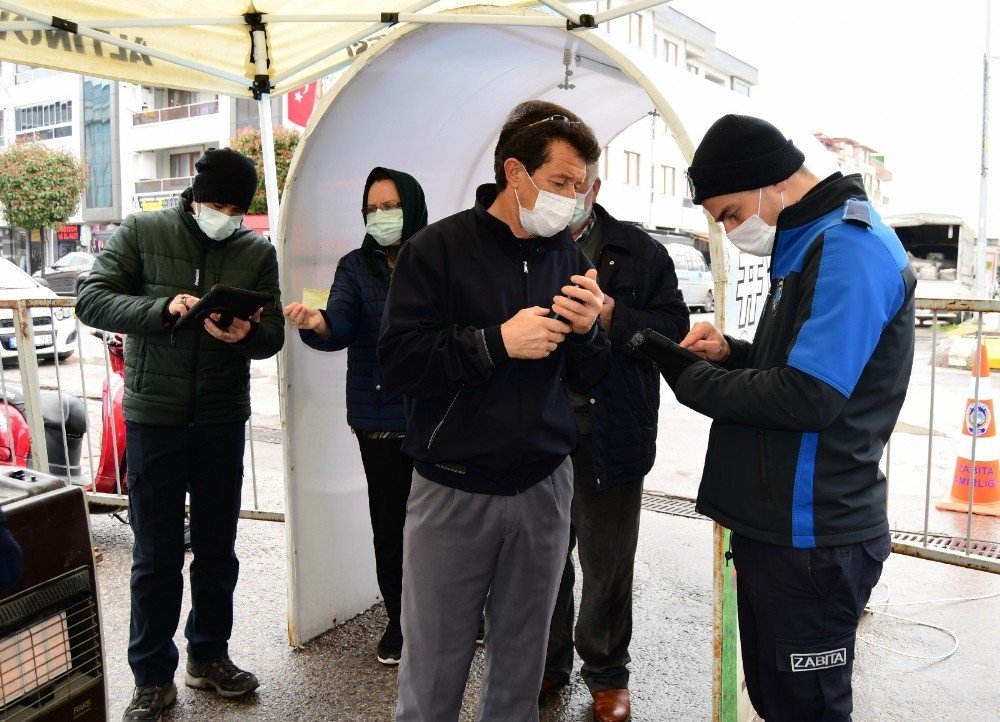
x: 741, y: 153
x: 225, y: 176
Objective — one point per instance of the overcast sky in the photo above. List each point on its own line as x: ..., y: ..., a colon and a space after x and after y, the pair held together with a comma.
x: 904, y: 77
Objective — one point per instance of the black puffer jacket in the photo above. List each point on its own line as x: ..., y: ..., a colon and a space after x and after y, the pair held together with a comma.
x: 192, y: 378
x: 638, y: 273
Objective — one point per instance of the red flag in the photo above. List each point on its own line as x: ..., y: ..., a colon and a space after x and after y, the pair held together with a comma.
x: 301, y: 102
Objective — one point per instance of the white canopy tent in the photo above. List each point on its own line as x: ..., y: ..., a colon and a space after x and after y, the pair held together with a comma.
x: 428, y: 98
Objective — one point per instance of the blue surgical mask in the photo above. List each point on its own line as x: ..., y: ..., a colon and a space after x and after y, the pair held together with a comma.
x: 386, y: 227
x: 216, y: 224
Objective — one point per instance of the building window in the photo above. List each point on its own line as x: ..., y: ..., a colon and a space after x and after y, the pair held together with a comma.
x: 44, y: 122
x: 177, y: 98
x: 741, y: 87
x: 97, y: 141
x: 631, y: 168
x: 182, y: 164
x: 669, y: 180
x: 671, y: 52
x: 635, y: 29
x: 694, y: 69
x: 607, y: 6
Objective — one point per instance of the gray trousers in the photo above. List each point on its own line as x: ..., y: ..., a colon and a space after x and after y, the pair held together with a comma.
x: 457, y: 547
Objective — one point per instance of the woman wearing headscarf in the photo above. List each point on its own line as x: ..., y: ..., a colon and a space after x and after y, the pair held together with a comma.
x: 394, y: 209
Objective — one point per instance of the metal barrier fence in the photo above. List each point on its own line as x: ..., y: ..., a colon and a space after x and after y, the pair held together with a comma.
x: 40, y: 330
x: 982, y: 554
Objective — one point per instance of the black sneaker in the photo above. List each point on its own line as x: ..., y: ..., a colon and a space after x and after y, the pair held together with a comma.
x: 149, y: 701
x: 221, y: 675
x: 390, y: 647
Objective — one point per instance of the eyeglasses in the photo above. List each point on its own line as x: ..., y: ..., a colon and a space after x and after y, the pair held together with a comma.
x: 553, y: 118
x: 387, y: 206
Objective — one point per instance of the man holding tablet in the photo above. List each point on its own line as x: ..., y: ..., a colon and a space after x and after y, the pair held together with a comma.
x: 187, y: 400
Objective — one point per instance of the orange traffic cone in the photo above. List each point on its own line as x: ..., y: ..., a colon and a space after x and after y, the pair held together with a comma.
x: 980, y: 420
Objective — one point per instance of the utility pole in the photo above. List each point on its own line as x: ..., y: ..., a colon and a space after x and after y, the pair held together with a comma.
x: 980, y: 284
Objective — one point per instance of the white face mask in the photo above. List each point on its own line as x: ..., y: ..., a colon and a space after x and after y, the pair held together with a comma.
x: 580, y: 211
x: 216, y: 224
x: 551, y: 214
x: 386, y: 227
x: 754, y: 235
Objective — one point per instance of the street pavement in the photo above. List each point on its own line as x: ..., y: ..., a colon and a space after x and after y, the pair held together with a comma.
x: 336, y: 677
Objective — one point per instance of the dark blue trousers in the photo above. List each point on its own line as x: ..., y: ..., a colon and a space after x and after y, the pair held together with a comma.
x: 798, y: 612
x: 164, y: 463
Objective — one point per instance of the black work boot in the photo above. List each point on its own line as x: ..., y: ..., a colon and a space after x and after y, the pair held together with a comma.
x: 149, y: 701
x: 221, y: 675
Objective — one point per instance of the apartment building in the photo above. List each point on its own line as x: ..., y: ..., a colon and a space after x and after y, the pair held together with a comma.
x: 855, y: 157
x: 642, y: 170
x: 72, y: 113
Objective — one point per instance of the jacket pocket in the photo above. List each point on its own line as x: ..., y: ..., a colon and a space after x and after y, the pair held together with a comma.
x: 434, y: 433
x: 141, y: 364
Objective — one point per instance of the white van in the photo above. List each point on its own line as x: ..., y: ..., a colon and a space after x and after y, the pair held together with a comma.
x: 693, y: 276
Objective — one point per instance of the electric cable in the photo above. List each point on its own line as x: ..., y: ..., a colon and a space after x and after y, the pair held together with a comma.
x: 886, y: 603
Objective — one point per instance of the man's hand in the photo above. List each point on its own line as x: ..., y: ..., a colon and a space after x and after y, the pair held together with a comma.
x: 307, y: 319
x: 237, y: 330
x: 707, y: 341
x: 531, y: 334
x: 607, y: 312
x: 581, y: 304
x: 180, y: 304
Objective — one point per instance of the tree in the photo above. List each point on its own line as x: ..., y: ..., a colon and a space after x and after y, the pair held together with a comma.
x: 247, y: 141
x: 39, y: 187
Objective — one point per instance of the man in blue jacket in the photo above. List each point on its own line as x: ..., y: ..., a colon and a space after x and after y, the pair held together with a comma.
x: 468, y: 337
x: 617, y: 419
x: 802, y: 414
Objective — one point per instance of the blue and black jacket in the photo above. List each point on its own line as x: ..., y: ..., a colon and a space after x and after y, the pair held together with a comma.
x: 801, y: 420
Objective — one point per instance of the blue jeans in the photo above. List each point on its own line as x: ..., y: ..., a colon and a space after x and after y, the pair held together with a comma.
x: 165, y: 463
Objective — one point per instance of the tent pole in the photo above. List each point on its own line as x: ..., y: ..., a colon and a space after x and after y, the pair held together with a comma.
x: 262, y: 91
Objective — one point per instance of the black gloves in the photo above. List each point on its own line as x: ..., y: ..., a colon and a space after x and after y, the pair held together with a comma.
x: 669, y: 358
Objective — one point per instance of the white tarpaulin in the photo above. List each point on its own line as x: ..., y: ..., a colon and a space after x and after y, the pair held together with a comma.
x: 206, y: 44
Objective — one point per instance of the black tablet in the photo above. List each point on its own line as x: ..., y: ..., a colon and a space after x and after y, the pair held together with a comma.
x: 228, y: 301
x: 655, y: 340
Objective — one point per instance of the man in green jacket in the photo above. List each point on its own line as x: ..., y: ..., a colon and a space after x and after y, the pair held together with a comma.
x: 187, y: 400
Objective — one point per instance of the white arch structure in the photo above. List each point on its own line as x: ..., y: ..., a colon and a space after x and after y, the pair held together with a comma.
x: 430, y: 100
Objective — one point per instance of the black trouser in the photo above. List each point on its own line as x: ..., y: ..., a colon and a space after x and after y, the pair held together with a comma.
x: 799, y: 611
x: 606, y: 527
x: 164, y: 463
x: 388, y: 471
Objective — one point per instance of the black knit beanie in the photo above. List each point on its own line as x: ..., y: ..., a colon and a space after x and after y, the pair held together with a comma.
x: 225, y: 176
x: 741, y: 153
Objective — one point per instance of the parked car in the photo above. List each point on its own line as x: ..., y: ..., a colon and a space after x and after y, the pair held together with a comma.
x: 55, y: 328
x: 65, y: 275
x: 694, y: 277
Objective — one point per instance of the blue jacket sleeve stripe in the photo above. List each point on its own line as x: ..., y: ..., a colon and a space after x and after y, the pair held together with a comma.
x: 803, y: 520
x: 858, y: 290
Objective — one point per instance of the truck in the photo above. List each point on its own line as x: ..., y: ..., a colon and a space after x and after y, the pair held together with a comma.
x: 942, y: 252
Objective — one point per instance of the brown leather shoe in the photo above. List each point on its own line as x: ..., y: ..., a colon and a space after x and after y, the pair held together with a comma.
x: 612, y: 705
x: 548, y: 686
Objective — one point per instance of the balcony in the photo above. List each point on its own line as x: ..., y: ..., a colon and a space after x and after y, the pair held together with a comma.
x: 178, y: 112
x: 163, y: 185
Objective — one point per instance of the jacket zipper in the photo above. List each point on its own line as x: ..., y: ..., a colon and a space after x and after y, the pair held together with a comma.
x: 430, y: 442
x: 200, y: 277
x: 765, y: 484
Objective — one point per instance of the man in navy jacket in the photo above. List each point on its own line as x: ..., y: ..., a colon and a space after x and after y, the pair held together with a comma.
x: 617, y: 419
x: 469, y: 339
x: 802, y: 414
